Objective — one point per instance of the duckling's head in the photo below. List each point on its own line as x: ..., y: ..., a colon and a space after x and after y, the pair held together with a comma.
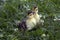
x: 30, y: 14
x: 35, y: 9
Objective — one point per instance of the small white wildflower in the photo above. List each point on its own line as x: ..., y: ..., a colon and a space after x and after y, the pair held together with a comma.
x: 43, y: 35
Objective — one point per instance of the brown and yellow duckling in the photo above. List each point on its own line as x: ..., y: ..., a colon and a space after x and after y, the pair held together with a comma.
x: 36, y: 15
x: 28, y: 23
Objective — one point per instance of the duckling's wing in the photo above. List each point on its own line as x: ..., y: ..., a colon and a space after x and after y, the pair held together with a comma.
x: 22, y: 25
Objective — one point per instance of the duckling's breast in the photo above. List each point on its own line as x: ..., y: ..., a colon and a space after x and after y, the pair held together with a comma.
x: 31, y: 23
x: 36, y: 16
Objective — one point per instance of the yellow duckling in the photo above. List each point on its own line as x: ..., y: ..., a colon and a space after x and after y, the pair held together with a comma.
x: 31, y: 21
x: 28, y: 23
x: 36, y: 15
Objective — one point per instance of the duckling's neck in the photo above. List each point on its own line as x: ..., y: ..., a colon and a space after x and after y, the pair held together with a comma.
x: 29, y: 18
x: 36, y: 14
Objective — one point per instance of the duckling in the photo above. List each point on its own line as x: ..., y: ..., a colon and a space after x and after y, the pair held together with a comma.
x: 31, y: 21
x: 28, y: 23
x: 36, y: 15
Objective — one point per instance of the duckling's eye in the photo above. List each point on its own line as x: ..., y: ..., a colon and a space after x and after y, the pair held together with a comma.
x: 30, y: 14
x: 33, y: 13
